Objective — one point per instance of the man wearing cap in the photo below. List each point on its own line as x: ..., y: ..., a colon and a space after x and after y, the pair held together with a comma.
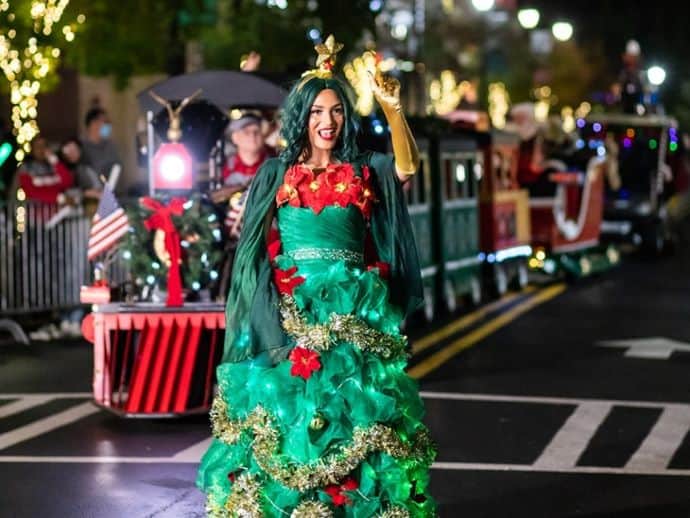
x: 238, y: 172
x: 240, y: 168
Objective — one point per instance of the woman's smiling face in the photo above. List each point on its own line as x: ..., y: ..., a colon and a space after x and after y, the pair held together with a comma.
x: 326, y: 119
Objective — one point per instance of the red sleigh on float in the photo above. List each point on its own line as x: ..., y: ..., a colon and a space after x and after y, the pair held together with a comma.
x: 566, y: 226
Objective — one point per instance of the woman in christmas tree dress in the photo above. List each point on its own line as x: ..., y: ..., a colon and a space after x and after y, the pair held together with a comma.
x: 315, y: 415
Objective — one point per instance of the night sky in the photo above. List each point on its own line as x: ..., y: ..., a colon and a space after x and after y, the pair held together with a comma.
x: 662, y: 27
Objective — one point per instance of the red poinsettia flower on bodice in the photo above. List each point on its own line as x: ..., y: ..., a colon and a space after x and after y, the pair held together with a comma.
x: 315, y: 193
x: 337, y: 185
x: 285, y: 282
x: 298, y: 174
x: 287, y: 194
x: 343, y: 184
x: 335, y: 491
x: 304, y: 362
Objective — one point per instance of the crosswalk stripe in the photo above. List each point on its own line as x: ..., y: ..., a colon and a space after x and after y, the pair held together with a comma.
x: 570, y: 441
x: 51, y: 395
x: 22, y: 404
x: 194, y: 452
x: 667, y: 434
x: 585, y: 470
x: 47, y: 424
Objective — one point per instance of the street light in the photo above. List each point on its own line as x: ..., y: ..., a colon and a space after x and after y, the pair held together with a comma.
x: 562, y: 31
x: 656, y: 75
x: 528, y: 18
x: 483, y: 5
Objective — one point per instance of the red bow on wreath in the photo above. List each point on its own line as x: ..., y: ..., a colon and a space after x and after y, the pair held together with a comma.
x: 166, y: 242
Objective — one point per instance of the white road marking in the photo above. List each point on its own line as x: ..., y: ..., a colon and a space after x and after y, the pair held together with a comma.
x: 560, y: 456
x: 570, y: 441
x: 591, y: 470
x: 51, y: 395
x: 652, y: 348
x: 96, y: 460
x: 194, y: 452
x: 22, y: 404
x: 658, y: 448
x: 546, y: 400
x: 47, y: 424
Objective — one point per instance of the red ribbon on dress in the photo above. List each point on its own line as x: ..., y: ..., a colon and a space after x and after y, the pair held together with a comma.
x: 161, y: 219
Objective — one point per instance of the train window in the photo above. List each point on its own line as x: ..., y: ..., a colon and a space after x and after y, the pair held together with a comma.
x: 461, y: 177
x: 471, y: 181
x: 421, y: 181
x: 449, y: 180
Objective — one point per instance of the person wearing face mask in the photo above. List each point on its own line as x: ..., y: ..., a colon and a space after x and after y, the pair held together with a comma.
x: 99, y: 151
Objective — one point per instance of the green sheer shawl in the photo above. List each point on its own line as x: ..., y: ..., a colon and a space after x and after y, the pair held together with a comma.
x: 253, y: 326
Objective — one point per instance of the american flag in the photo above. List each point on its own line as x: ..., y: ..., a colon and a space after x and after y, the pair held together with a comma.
x: 109, y: 224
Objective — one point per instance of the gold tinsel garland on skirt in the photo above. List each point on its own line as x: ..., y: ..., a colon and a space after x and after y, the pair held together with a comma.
x: 328, y: 470
x: 344, y: 328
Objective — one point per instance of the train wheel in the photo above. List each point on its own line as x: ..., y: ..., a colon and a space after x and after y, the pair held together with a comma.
x: 451, y: 298
x: 428, y: 304
x: 500, y: 280
x: 522, y: 278
x: 475, y: 291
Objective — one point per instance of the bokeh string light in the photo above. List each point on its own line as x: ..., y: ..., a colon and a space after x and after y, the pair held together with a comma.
x: 30, y: 57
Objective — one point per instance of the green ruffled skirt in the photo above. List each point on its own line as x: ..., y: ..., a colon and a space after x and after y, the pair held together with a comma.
x: 343, y: 440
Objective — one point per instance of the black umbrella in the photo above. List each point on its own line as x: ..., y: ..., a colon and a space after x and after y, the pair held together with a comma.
x: 224, y: 88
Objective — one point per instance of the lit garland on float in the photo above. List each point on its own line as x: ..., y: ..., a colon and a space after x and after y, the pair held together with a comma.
x: 200, y: 230
x: 31, y: 65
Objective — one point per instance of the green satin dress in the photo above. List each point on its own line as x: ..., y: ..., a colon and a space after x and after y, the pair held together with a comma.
x: 334, y: 429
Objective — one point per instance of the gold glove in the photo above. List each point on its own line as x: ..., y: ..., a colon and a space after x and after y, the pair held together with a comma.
x: 387, y: 92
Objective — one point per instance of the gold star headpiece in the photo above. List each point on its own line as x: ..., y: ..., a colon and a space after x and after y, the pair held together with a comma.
x: 325, y: 61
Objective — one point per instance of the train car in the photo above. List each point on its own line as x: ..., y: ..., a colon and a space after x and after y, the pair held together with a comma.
x: 443, y: 202
x: 635, y: 204
x: 459, y: 168
x: 418, y: 192
x: 470, y: 219
x: 566, y: 226
x: 504, y: 213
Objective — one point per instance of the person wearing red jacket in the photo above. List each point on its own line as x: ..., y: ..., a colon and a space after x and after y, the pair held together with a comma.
x: 44, y: 178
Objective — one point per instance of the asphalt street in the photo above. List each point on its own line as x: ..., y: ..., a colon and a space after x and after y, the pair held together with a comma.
x: 566, y: 400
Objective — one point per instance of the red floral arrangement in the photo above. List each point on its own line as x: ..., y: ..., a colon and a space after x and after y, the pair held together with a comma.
x: 304, y: 362
x: 336, y: 491
x: 285, y: 280
x: 337, y: 185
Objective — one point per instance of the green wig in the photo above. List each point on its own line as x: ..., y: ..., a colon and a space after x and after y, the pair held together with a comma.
x: 295, y: 119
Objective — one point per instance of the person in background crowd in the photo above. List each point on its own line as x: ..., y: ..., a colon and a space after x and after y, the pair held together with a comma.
x: 88, y: 185
x: 238, y: 172
x: 632, y: 86
x: 99, y: 151
x: 84, y: 189
x: 250, y: 152
x: 42, y: 176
